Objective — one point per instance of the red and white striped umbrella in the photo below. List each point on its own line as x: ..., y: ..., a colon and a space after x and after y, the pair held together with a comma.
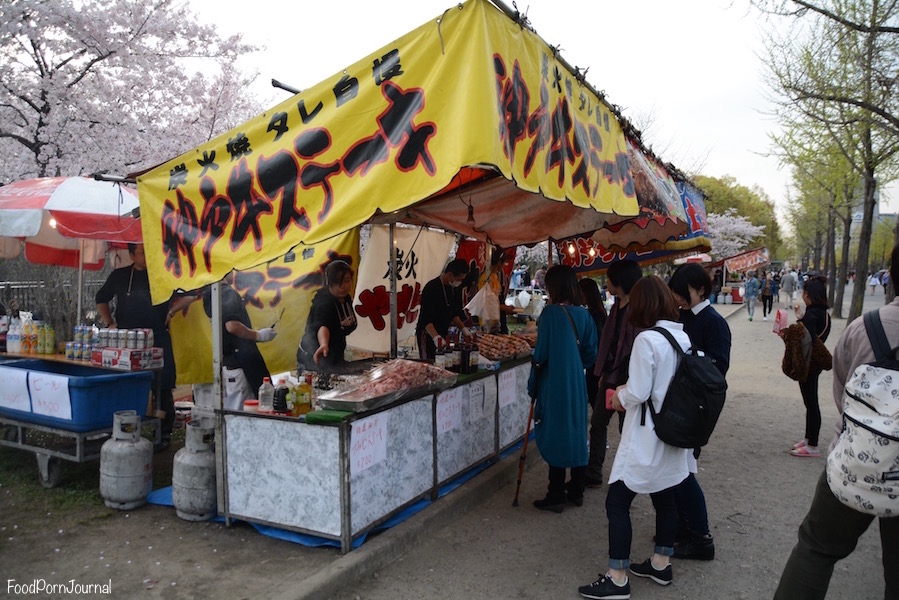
x: 54, y: 217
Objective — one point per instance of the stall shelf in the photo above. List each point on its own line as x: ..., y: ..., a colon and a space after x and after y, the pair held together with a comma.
x: 341, y: 480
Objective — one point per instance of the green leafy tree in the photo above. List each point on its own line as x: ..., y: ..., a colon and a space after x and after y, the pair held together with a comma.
x: 836, y: 65
x: 753, y: 204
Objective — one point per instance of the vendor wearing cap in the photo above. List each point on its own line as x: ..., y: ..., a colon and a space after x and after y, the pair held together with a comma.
x: 441, y: 306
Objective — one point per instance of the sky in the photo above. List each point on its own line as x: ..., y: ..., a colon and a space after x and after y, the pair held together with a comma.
x: 689, y: 72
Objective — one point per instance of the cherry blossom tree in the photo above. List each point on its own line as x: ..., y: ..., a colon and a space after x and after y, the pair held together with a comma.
x: 111, y: 85
x: 731, y: 233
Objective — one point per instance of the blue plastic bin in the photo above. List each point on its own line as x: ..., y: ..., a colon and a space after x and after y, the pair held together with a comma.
x: 95, y: 394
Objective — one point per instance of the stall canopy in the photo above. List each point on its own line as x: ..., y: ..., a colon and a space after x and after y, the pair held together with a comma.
x: 745, y: 261
x: 587, y: 255
x: 470, y: 123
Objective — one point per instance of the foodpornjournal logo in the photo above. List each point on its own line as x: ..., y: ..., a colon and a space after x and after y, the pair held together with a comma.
x: 69, y: 588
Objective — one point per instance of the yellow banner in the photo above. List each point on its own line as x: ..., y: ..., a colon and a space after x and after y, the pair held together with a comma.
x: 278, y: 294
x: 471, y: 88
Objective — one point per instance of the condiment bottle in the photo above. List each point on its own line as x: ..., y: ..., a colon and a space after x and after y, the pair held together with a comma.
x: 474, y: 356
x: 266, y: 396
x: 279, y: 399
x: 440, y: 359
x: 303, y: 402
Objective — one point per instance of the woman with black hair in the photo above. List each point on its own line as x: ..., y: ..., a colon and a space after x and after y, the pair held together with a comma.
x: 612, y: 359
x: 817, y: 321
x: 709, y: 333
x: 331, y: 319
x: 566, y: 345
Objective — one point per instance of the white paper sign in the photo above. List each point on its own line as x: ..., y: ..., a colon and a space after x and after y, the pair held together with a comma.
x: 477, y: 403
x: 50, y: 395
x: 508, y: 388
x: 14, y: 389
x: 421, y: 256
x: 368, y: 442
x: 449, y: 410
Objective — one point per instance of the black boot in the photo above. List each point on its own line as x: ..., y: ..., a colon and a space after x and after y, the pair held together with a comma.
x: 551, y: 502
x: 696, y: 548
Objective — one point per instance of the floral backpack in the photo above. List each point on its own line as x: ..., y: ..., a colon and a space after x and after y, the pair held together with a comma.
x: 863, y: 468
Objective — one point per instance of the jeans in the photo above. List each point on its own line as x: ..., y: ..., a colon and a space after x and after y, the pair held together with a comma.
x: 767, y: 305
x: 829, y: 533
x: 618, y: 511
x: 691, y: 506
x: 809, y: 391
x: 599, y: 435
x: 750, y: 305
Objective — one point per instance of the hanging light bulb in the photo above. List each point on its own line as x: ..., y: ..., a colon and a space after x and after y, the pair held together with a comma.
x: 571, y: 249
x: 591, y: 251
x: 470, y: 219
x: 52, y: 222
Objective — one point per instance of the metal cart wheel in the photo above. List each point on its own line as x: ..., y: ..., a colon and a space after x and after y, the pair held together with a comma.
x: 49, y: 470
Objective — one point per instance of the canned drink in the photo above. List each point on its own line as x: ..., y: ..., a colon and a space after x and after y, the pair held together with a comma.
x: 141, y: 339
x: 150, y: 340
x: 131, y: 339
x: 122, y: 341
x: 103, y: 341
x: 113, y: 339
x: 87, y: 352
x: 70, y: 350
x: 76, y: 351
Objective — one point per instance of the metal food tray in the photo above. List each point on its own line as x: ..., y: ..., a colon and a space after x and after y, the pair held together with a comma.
x: 334, y: 400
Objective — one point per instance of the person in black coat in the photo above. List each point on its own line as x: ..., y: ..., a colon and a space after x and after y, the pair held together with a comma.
x: 708, y: 332
x: 817, y: 321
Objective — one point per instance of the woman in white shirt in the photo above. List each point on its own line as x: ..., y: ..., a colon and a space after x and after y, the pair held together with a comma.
x: 643, y: 463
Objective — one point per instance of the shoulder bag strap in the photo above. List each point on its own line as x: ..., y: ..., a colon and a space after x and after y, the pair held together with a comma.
x: 877, y: 336
x: 577, y: 338
x: 670, y: 339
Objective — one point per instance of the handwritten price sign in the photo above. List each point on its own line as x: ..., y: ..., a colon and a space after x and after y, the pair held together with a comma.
x: 507, y: 387
x: 14, y: 389
x: 368, y: 442
x: 449, y: 410
x: 50, y: 395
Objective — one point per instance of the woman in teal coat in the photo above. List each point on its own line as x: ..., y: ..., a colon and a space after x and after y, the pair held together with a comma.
x: 566, y: 345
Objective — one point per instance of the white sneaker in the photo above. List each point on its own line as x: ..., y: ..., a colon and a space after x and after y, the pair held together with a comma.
x: 765, y: 319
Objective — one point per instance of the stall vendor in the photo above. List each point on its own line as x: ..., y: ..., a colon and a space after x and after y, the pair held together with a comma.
x: 441, y: 306
x: 130, y: 287
x: 331, y: 319
x: 243, y: 367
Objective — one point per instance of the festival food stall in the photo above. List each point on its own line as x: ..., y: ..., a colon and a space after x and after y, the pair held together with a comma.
x: 469, y: 126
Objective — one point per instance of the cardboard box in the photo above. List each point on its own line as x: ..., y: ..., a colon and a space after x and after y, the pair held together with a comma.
x: 127, y: 359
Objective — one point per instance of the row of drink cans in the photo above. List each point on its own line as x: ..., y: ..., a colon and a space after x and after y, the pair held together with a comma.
x: 133, y: 339
x: 79, y: 351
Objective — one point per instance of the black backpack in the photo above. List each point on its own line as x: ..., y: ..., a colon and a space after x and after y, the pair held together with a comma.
x: 693, y: 401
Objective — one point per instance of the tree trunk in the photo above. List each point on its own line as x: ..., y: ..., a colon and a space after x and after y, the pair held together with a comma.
x: 837, y: 311
x: 830, y: 263
x: 864, y: 245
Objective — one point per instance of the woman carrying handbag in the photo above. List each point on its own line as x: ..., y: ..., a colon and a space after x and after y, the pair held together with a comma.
x: 566, y: 345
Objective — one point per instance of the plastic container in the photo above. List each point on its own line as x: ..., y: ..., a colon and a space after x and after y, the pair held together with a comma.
x: 183, y: 410
x: 251, y: 406
x: 94, y: 394
x: 266, y: 396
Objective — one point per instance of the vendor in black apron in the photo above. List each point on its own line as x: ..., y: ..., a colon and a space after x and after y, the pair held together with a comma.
x: 130, y: 287
x: 331, y: 319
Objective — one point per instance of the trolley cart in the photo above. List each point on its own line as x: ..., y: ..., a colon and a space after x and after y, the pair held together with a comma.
x: 52, y: 445
x: 64, y: 411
